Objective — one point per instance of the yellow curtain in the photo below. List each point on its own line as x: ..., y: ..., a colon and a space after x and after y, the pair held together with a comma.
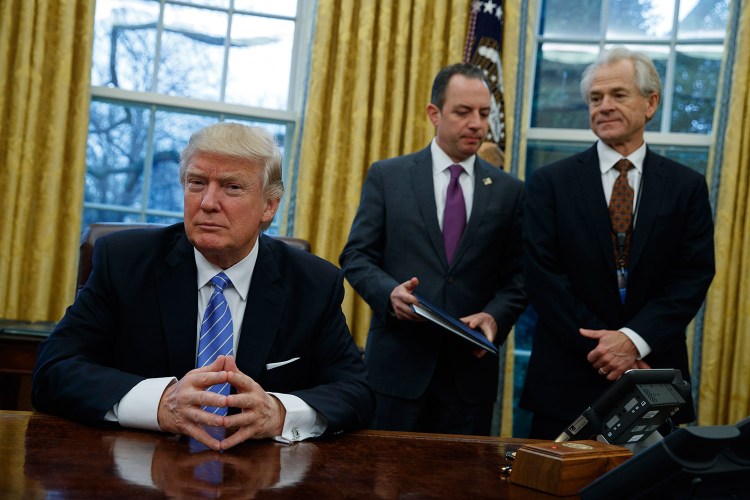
x: 45, y: 61
x: 725, y: 373
x: 518, y: 28
x: 372, y: 68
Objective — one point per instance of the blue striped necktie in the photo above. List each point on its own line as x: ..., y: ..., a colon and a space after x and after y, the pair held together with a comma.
x: 216, y: 334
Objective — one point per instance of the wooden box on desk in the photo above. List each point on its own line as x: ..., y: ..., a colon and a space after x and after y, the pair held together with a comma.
x: 564, y: 468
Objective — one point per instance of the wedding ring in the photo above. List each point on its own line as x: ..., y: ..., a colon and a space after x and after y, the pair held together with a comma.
x: 602, y: 372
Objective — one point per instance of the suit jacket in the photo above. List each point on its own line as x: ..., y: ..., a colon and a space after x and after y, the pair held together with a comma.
x: 136, y: 318
x: 570, y: 274
x: 395, y: 236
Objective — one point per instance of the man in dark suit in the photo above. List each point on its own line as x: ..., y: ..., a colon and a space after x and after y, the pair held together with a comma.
x: 612, y: 299
x: 126, y: 350
x: 426, y: 379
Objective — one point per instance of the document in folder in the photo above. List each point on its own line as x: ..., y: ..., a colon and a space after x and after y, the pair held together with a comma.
x: 440, y: 317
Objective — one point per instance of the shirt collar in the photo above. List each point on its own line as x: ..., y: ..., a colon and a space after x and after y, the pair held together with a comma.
x: 239, y: 274
x: 441, y: 161
x: 608, y: 157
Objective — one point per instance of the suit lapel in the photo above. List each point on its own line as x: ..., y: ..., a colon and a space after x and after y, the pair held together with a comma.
x: 589, y: 180
x: 424, y: 191
x: 263, y: 312
x: 177, y: 289
x: 651, y: 194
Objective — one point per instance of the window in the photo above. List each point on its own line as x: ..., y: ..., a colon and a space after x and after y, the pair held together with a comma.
x: 163, y: 69
x: 685, y: 38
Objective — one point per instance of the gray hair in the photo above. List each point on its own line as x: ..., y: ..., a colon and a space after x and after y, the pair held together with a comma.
x: 646, y: 77
x: 234, y: 140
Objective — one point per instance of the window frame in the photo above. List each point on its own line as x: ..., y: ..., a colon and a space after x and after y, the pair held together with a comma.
x: 291, y: 117
x: 579, y: 135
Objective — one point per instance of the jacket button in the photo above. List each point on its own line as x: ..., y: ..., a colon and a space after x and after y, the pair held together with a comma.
x: 449, y: 279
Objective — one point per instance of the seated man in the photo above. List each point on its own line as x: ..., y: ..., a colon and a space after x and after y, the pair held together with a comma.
x: 136, y: 347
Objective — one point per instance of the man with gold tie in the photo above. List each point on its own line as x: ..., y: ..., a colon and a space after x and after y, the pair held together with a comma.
x: 210, y: 324
x: 618, y: 252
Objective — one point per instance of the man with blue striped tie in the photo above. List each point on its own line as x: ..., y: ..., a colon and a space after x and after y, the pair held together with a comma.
x: 210, y: 323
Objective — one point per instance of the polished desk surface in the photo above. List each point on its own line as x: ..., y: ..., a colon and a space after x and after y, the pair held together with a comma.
x: 50, y: 457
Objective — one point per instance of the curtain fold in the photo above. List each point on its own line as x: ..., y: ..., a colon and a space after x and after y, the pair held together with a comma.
x: 518, y: 30
x: 372, y: 68
x: 45, y: 62
x: 724, y: 393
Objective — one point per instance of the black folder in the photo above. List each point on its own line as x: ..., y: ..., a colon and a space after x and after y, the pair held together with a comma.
x: 442, y: 318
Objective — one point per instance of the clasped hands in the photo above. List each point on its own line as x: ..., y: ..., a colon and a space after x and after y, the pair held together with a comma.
x: 262, y: 415
x: 402, y: 298
x: 614, y: 354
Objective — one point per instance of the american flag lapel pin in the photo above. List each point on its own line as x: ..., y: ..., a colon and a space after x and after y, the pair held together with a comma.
x: 487, y: 181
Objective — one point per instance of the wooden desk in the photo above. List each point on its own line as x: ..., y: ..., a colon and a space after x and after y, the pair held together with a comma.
x: 46, y: 456
x: 18, y: 345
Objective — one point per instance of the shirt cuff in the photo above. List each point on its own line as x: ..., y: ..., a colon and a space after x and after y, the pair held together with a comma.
x: 139, y: 407
x: 643, y: 348
x: 301, y: 422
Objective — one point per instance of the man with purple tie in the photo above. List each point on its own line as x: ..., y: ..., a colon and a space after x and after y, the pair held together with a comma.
x: 447, y: 225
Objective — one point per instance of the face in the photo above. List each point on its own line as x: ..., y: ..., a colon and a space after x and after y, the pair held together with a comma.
x: 618, y: 113
x: 461, y: 125
x: 225, y: 207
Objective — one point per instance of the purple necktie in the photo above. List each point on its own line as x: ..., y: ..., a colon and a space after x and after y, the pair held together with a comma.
x: 454, y: 217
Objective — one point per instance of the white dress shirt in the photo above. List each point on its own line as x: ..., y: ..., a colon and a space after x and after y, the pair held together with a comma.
x: 441, y: 176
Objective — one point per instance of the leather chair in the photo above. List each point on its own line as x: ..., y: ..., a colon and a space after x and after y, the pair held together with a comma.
x: 96, y: 230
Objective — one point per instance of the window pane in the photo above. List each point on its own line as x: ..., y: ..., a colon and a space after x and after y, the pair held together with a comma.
x: 192, y: 52
x: 541, y: 153
x: 172, y: 131
x: 115, y: 154
x: 639, y: 19
x: 224, y: 4
x: 560, y: 20
x: 92, y: 215
x: 124, y: 44
x: 260, y: 62
x: 277, y: 7
x: 702, y: 19
x: 696, y: 84
x: 694, y: 157
x: 557, y: 96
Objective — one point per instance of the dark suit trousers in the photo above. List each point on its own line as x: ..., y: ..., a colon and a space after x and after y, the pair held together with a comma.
x: 440, y: 410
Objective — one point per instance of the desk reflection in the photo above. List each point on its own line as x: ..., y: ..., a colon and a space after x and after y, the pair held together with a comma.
x: 50, y: 457
x: 155, y: 464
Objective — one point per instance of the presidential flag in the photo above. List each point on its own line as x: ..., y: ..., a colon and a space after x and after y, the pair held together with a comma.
x: 483, y: 48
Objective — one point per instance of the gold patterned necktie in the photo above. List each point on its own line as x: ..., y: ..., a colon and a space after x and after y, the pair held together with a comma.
x: 621, y: 214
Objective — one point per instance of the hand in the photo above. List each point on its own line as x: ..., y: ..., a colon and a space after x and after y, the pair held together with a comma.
x: 614, y: 355
x: 486, y: 324
x: 262, y: 415
x: 181, y: 474
x: 180, y: 410
x: 402, y: 297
